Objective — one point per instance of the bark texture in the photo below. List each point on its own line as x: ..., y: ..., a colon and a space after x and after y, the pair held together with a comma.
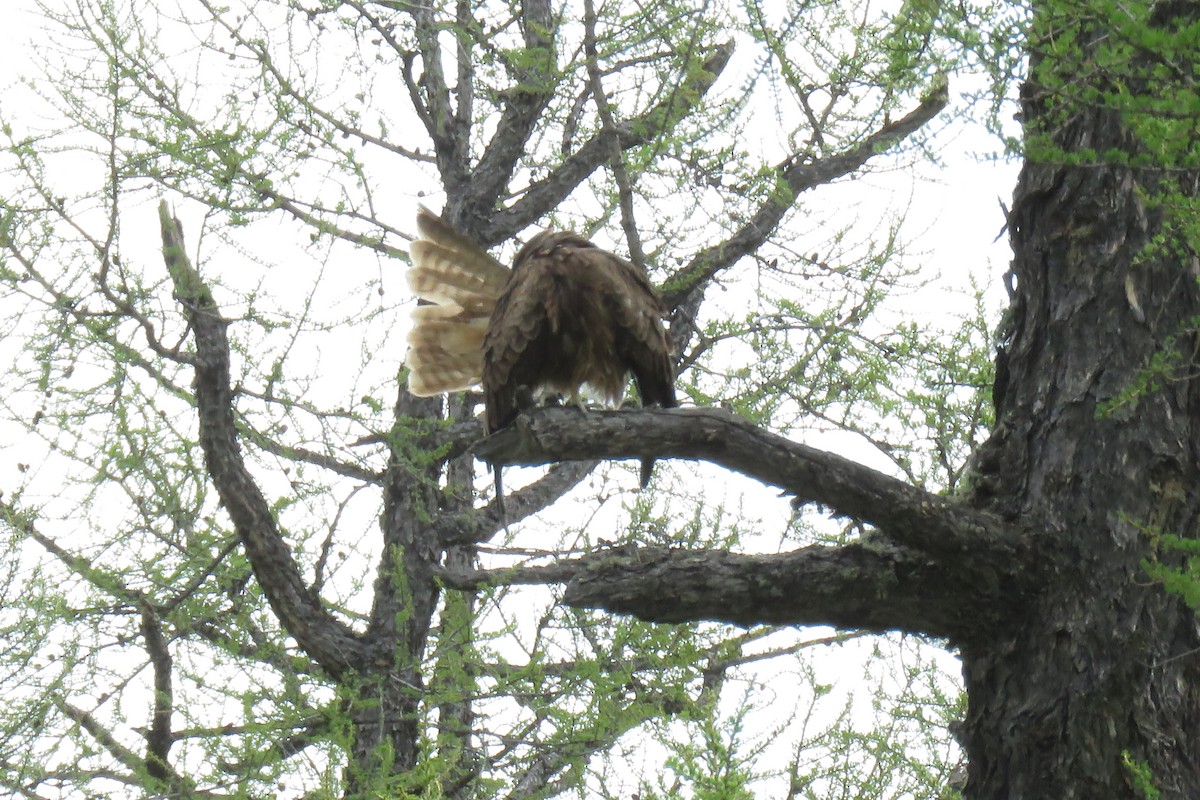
x: 329, y: 641
x: 1101, y: 671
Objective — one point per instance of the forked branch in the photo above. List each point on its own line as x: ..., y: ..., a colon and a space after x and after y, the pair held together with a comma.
x: 932, y: 565
x: 796, y: 175
x: 327, y: 640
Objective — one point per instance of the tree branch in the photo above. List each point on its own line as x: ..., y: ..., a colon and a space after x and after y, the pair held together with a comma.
x: 607, y: 123
x: 903, y: 513
x: 287, y: 88
x: 479, y: 525
x: 326, y: 639
x: 934, y: 565
x: 537, y: 200
x: 872, y: 585
x: 536, y: 78
x: 158, y: 738
x: 688, y: 283
x: 449, y: 144
x: 176, y: 784
x: 346, y: 469
x: 99, y: 577
x: 309, y: 730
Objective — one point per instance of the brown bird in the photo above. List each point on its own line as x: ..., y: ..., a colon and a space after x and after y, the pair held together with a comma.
x: 569, y: 319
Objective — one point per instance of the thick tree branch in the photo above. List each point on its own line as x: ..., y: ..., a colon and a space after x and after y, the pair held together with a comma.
x: 326, y: 639
x: 480, y: 524
x: 388, y: 727
x: 540, y: 197
x: 467, y: 31
x: 536, y: 81
x: 158, y: 738
x: 872, y: 585
x: 901, y: 512
x: 934, y: 566
x: 433, y: 104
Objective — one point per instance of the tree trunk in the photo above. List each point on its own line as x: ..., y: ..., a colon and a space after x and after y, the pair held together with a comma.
x: 1094, y: 682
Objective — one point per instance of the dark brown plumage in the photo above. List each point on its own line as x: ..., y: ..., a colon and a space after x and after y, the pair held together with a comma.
x: 570, y: 320
x: 573, y: 317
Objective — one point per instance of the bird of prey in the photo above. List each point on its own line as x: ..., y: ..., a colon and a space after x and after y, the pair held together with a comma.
x: 569, y: 320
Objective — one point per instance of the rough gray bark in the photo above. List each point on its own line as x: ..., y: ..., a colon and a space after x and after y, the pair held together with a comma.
x: 871, y: 586
x: 905, y: 513
x: 933, y: 565
x: 326, y: 639
x: 1104, y: 662
x: 1103, y: 667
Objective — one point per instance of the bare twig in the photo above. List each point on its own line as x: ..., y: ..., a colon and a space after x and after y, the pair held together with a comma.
x: 609, y: 127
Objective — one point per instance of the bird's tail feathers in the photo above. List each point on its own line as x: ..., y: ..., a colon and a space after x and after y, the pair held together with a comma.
x: 442, y: 275
x: 463, y: 263
x: 460, y: 283
x: 431, y: 373
x: 448, y: 328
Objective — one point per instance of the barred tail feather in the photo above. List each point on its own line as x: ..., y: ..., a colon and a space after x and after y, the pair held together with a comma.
x: 450, y: 337
x: 460, y: 282
x: 440, y: 377
x: 441, y: 242
x: 440, y: 275
x: 445, y: 349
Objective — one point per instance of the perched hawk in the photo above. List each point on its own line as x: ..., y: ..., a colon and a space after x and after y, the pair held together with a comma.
x: 569, y: 319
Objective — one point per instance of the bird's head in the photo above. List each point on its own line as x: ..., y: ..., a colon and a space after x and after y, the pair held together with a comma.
x: 546, y: 242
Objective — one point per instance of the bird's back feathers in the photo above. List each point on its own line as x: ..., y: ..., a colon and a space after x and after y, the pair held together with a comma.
x: 575, y: 318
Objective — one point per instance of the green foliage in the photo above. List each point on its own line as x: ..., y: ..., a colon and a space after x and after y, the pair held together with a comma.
x: 289, y: 140
x: 715, y: 767
x: 1141, y: 777
x: 807, y: 365
x: 1176, y: 565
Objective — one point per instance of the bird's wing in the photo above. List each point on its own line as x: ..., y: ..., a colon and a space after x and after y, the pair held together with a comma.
x: 519, y: 318
x: 642, y: 343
